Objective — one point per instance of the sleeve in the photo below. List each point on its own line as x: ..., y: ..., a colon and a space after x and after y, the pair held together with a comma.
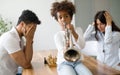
x: 89, y: 34
x: 111, y: 38
x: 108, y: 35
x: 81, y: 41
x: 12, y: 45
x: 59, y: 41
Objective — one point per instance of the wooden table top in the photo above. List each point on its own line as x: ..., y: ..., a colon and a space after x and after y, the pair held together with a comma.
x: 39, y: 68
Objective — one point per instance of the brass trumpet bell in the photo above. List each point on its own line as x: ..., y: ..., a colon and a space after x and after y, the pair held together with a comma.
x: 72, y: 55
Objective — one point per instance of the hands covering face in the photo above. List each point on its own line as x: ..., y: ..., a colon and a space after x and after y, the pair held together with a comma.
x: 29, y: 31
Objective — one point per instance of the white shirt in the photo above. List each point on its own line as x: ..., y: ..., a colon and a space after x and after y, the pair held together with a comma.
x: 10, y: 42
x: 108, y: 45
x: 59, y: 39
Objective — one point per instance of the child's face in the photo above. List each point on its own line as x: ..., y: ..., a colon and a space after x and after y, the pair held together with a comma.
x: 63, y: 18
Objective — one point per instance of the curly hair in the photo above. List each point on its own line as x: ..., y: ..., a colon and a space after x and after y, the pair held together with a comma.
x: 62, y: 6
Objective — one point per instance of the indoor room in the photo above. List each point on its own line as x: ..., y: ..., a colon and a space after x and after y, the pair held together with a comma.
x: 44, y: 46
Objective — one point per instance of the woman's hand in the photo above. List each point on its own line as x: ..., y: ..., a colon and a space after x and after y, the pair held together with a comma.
x: 108, y: 18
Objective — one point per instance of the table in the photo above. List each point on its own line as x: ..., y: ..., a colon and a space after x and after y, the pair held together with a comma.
x: 39, y: 68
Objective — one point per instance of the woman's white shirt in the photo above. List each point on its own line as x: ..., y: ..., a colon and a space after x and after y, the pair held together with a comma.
x: 108, y: 44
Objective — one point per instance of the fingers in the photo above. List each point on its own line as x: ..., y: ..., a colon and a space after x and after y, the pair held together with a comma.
x: 69, y: 26
x: 107, y: 15
x: 30, y: 33
x: 31, y: 29
x: 108, y: 18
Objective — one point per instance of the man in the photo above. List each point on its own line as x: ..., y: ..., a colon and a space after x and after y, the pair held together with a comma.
x: 14, y: 51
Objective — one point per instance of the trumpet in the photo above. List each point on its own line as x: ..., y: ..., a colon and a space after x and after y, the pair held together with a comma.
x: 70, y: 54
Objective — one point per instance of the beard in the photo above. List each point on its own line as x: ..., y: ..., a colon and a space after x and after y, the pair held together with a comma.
x: 24, y: 31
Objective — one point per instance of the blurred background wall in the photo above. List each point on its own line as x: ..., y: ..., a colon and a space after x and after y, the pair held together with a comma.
x: 86, y: 9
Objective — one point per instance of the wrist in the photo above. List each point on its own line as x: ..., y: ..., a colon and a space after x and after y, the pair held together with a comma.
x: 29, y: 42
x: 109, y: 23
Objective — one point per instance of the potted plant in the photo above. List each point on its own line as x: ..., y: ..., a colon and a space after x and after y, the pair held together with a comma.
x: 4, y: 25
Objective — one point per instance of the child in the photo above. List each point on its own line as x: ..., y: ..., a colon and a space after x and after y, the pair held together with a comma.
x: 63, y: 14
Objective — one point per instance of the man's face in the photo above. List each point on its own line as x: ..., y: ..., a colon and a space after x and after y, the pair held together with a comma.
x: 28, y: 27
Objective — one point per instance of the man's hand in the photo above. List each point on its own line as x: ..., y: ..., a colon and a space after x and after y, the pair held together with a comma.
x: 30, y: 33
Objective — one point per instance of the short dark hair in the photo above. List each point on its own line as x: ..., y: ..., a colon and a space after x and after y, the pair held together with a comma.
x: 62, y: 6
x: 28, y: 17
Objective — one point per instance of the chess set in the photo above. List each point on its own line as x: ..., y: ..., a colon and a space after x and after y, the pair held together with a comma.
x: 50, y: 61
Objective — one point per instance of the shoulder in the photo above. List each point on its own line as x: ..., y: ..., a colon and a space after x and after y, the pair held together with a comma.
x: 6, y: 36
x: 60, y: 33
x: 10, y: 37
x: 79, y: 29
x: 116, y: 33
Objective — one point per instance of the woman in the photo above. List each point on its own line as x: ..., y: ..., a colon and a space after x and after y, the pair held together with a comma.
x: 63, y: 13
x: 107, y: 34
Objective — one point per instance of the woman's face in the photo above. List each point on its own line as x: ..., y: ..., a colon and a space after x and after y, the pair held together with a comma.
x: 63, y: 18
x: 100, y: 25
